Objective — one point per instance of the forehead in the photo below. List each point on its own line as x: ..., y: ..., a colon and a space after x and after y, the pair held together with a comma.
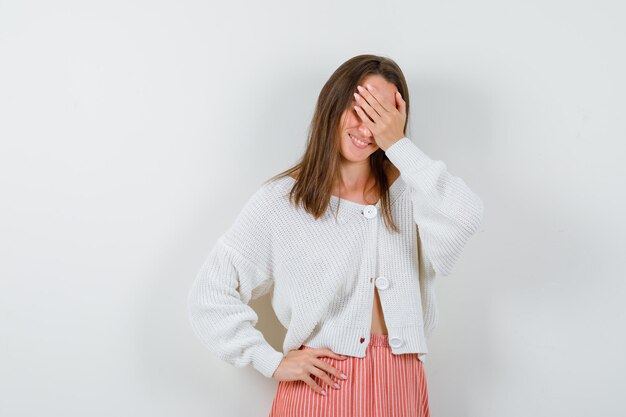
x: 381, y: 86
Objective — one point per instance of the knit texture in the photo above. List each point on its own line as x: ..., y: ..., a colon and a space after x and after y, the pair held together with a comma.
x: 322, y: 273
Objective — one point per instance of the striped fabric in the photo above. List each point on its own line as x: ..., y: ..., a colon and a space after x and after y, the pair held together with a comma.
x: 381, y: 384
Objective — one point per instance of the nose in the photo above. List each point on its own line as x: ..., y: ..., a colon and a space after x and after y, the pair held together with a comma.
x: 364, y: 131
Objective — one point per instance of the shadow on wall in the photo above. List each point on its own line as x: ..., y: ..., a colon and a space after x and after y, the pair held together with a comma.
x: 268, y: 323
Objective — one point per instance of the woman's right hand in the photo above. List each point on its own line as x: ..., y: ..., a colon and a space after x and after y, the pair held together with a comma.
x: 299, y: 364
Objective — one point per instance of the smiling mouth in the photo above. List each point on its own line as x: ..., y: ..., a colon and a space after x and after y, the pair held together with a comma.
x: 359, y: 141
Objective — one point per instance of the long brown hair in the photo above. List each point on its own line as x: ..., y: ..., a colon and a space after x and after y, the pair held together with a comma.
x: 318, y: 167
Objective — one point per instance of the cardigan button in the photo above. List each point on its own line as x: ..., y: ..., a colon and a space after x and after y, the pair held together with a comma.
x: 370, y: 211
x: 395, y: 341
x: 362, y: 340
x: 382, y: 283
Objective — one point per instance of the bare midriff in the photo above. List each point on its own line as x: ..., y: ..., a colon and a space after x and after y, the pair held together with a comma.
x: 378, y: 320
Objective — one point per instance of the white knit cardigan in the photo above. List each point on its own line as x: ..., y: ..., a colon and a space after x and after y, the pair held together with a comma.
x: 322, y: 273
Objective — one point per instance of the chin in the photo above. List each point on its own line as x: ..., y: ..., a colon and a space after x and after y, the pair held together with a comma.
x: 353, y: 156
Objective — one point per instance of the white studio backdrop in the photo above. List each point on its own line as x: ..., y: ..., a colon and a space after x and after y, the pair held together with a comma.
x: 132, y: 133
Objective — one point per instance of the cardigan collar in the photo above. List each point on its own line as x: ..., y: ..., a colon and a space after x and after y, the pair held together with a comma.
x: 346, y: 209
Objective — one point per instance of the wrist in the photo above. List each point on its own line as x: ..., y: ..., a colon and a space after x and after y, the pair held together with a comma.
x: 393, y: 143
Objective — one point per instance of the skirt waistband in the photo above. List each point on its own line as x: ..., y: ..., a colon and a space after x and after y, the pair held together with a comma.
x: 379, y: 340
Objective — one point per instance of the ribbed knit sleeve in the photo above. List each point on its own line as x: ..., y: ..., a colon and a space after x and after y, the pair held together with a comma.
x: 446, y: 210
x: 237, y: 270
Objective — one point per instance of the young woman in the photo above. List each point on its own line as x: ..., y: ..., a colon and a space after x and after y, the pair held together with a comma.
x: 349, y: 241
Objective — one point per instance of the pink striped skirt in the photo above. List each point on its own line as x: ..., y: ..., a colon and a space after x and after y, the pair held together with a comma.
x: 381, y: 384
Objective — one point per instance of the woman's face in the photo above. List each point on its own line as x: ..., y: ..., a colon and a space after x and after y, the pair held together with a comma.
x: 357, y: 142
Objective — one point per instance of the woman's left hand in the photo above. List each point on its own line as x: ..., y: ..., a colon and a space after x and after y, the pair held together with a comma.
x: 387, y: 119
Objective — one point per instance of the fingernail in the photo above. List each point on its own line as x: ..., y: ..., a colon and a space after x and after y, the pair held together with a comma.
x: 344, y: 376
x: 369, y: 87
x: 360, y: 88
x: 336, y: 385
x: 323, y: 392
